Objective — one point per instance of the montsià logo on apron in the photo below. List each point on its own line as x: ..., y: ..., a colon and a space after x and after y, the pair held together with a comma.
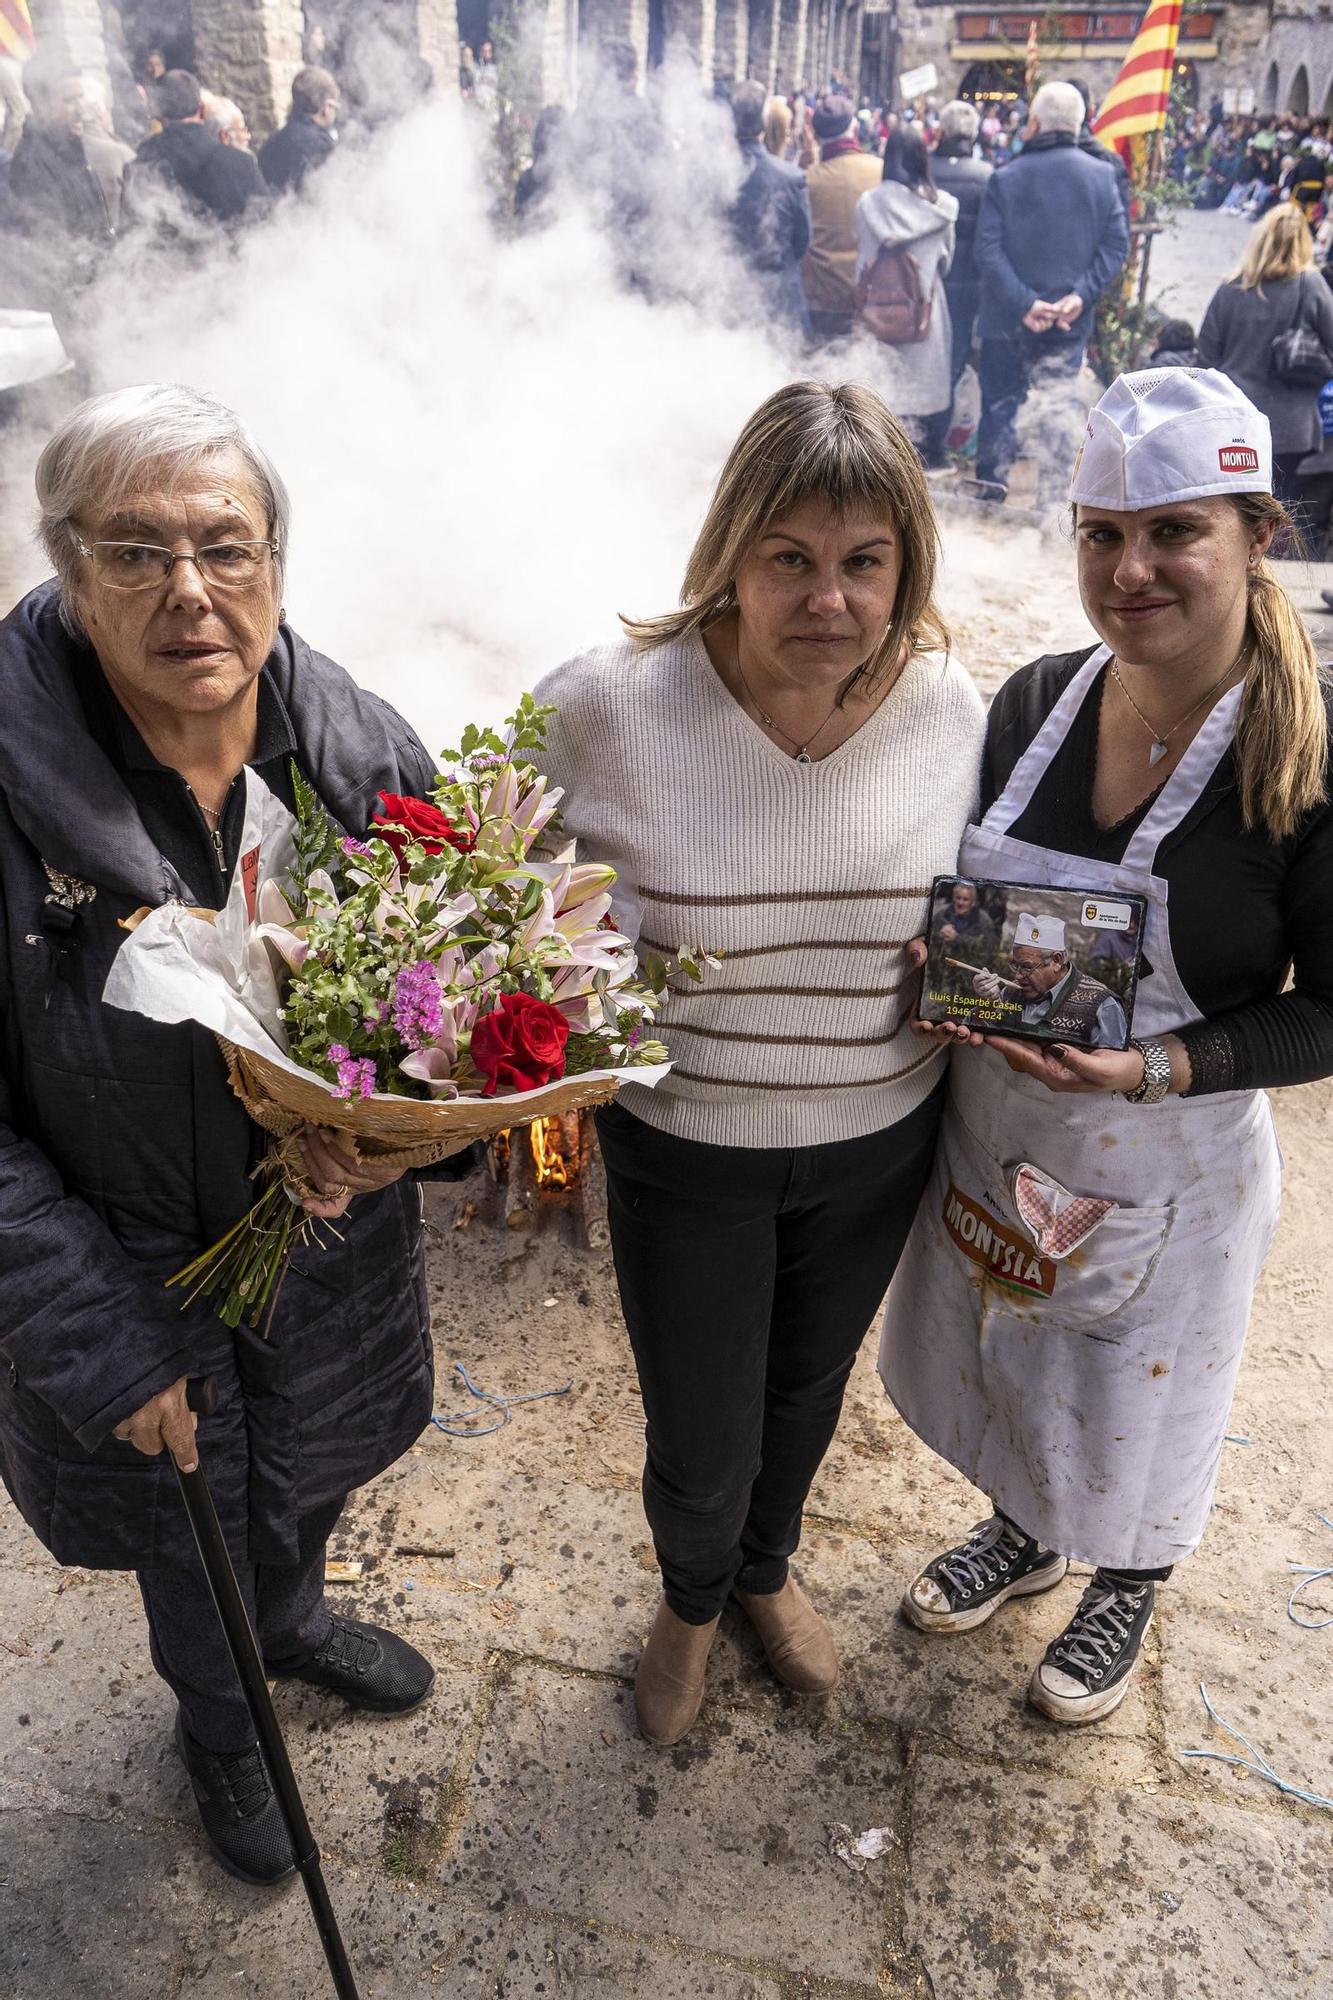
x: 1000, y: 1251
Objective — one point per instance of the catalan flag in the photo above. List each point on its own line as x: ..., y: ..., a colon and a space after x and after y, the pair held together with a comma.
x: 1137, y: 100
x: 16, y: 36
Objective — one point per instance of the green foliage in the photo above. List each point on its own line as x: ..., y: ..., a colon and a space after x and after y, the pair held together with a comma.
x: 316, y: 837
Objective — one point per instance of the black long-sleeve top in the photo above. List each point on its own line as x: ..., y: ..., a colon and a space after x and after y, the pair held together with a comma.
x: 1245, y: 911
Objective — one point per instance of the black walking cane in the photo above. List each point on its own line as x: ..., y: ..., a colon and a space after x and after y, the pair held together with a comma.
x: 216, y: 1559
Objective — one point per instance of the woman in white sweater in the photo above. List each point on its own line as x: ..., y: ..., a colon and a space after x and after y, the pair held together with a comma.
x: 777, y: 770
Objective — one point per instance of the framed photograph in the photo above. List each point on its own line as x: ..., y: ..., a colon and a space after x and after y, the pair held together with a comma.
x: 1053, y: 965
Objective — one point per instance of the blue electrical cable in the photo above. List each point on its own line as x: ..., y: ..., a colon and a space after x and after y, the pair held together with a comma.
x: 457, y: 1425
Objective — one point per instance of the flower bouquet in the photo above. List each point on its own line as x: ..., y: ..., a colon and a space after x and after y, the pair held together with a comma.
x: 417, y: 989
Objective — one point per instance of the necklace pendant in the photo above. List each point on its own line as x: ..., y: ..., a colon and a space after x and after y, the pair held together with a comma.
x: 1156, y: 754
x: 804, y: 757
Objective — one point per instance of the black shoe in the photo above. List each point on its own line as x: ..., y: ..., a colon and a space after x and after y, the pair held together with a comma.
x: 967, y: 1585
x: 1086, y: 1672
x: 1327, y: 596
x: 366, y: 1666
x: 241, y: 1818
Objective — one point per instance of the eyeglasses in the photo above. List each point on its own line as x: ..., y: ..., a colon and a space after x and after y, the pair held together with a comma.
x: 144, y: 566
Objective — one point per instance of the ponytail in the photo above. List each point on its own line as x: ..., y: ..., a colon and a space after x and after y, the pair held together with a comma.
x: 1282, y: 735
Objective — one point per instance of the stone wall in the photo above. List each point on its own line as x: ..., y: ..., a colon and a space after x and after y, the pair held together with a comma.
x: 437, y: 40
x: 75, y: 25
x: 1296, y: 61
x: 250, y: 50
x: 731, y: 41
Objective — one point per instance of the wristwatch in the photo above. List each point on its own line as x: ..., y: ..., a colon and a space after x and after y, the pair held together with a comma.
x: 1156, y: 1080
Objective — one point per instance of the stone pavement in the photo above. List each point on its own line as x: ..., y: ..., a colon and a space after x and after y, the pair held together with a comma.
x: 516, y: 1838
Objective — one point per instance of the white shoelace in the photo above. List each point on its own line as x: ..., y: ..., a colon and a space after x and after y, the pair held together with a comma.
x: 1098, y: 1629
x: 969, y: 1568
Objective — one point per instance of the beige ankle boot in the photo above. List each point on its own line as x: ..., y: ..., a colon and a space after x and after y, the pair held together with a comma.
x: 669, y: 1684
x: 798, y: 1643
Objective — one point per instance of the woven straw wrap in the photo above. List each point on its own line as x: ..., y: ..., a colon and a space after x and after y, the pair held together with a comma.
x: 401, y: 1131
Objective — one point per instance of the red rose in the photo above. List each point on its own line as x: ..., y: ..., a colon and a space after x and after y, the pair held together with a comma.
x: 520, y: 1045
x: 425, y: 824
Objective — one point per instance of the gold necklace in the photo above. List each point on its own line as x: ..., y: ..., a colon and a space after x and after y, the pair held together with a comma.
x: 1162, y: 737
x: 802, y: 749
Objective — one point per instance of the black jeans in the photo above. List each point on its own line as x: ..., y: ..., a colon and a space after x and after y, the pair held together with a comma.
x: 287, y: 1613
x: 1125, y: 1575
x: 1010, y: 368
x: 748, y: 1277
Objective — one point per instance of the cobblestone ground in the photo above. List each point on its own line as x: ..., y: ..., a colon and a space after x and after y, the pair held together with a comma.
x: 516, y: 1838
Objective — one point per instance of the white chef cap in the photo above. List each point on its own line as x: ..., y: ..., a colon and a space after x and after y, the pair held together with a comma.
x: 1167, y: 434
x: 1045, y: 933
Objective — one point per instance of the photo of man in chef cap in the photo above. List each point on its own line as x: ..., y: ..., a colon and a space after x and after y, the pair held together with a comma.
x: 1059, y: 1001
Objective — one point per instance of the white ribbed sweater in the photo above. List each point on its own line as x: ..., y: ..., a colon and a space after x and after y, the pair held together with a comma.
x: 809, y: 879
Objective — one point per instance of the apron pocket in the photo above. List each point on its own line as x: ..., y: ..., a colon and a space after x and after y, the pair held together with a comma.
x: 1109, y: 1266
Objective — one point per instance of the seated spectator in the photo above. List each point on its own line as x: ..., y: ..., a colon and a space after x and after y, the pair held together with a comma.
x: 308, y: 137
x: 1174, y: 346
x: 212, y: 180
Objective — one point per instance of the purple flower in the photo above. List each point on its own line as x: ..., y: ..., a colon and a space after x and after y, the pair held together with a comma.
x: 356, y: 1074
x: 356, y: 848
x: 417, y: 1010
x: 633, y: 1038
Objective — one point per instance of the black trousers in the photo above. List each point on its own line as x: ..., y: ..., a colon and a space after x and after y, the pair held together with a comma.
x: 1125, y: 1575
x: 1010, y: 368
x: 748, y: 1278
x: 288, y: 1614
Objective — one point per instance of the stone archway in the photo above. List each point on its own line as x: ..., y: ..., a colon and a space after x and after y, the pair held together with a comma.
x: 1298, y: 97
x: 1269, y: 99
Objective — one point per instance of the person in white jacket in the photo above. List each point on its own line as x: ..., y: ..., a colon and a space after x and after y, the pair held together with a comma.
x: 909, y: 212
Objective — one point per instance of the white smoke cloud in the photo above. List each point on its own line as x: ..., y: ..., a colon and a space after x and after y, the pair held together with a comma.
x: 492, y: 446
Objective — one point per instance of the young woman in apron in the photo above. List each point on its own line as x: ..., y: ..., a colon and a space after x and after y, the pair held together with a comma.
x: 1134, y: 1193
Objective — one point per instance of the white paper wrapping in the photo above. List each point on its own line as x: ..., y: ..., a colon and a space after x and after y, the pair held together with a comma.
x: 178, y: 967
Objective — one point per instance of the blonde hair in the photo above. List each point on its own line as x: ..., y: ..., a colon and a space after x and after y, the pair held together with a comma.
x: 838, y: 443
x: 777, y: 125
x: 1280, y: 247
x: 1282, y: 733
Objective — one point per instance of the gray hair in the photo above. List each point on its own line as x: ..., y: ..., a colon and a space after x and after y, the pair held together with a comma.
x: 1058, y: 107
x: 959, y: 120
x: 102, y: 452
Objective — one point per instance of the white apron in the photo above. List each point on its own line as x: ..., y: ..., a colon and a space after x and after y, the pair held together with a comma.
x: 1076, y: 1359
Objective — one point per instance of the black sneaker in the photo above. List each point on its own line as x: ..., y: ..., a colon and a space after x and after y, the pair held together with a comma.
x: 242, y: 1821
x: 967, y: 1585
x: 1086, y: 1672
x: 366, y: 1666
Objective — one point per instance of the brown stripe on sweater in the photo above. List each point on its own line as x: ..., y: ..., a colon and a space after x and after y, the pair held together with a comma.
x: 693, y: 992
x: 782, y: 896
x: 790, y: 1041
x: 729, y: 956
x: 851, y: 1083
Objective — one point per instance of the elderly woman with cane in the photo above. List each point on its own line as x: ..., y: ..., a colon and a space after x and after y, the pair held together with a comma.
x: 1183, y: 759
x: 139, y: 684
x: 778, y: 769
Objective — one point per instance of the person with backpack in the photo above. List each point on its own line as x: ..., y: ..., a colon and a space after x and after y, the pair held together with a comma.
x: 1051, y: 236
x: 905, y: 244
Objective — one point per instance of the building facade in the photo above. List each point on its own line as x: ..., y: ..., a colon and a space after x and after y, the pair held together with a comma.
x: 1272, y: 56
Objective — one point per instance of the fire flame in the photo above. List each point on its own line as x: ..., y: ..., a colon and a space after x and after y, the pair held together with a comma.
x: 552, y: 1168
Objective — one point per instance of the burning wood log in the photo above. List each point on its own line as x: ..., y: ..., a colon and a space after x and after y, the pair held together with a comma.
x: 592, y: 1189
x: 521, y: 1191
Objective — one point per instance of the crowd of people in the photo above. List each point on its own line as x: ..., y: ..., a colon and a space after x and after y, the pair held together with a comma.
x: 946, y: 234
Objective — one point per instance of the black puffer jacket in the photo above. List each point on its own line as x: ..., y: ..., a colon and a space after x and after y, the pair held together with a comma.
x: 123, y: 1153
